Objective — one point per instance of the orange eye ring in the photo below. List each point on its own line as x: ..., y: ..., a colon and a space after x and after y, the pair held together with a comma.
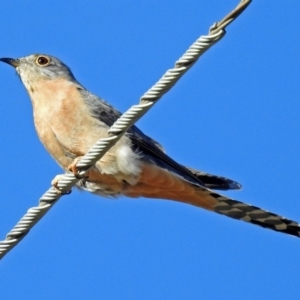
x: 42, y: 61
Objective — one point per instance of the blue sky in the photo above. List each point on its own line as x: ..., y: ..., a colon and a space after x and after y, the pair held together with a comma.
x: 235, y: 113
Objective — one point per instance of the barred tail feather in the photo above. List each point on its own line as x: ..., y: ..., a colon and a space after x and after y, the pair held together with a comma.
x: 255, y: 215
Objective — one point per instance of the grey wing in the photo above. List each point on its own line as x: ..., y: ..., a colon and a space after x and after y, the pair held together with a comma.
x: 152, y: 150
x: 216, y: 182
x: 155, y: 153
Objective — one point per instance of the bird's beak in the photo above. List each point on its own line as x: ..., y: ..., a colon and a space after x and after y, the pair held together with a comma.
x: 11, y: 61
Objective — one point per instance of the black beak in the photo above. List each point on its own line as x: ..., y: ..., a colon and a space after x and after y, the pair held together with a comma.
x: 10, y: 61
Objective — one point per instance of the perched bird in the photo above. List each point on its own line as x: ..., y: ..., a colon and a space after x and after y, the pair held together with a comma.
x: 69, y: 120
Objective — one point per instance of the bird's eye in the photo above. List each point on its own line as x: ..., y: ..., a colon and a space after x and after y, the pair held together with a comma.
x: 42, y: 61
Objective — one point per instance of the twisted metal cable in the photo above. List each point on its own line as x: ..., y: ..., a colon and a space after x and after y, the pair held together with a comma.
x: 118, y: 129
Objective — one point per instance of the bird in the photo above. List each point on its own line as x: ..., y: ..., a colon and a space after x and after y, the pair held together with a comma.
x: 69, y: 119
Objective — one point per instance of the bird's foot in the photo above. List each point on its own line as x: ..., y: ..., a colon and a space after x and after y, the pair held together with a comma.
x: 73, y: 168
x: 54, y: 184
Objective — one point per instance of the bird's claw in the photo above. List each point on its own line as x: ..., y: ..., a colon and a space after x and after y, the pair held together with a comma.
x: 54, y: 184
x: 73, y: 168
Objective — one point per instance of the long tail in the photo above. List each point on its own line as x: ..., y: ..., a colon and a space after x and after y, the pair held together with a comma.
x: 158, y: 183
x: 220, y: 204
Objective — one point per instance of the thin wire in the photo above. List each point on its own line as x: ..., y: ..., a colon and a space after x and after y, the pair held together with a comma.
x: 168, y: 80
